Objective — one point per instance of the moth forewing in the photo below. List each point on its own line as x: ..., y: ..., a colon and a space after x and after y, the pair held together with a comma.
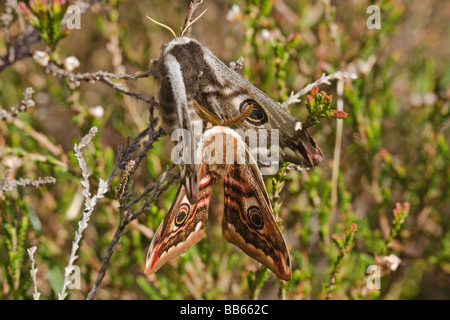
x: 248, y: 220
x: 188, y: 72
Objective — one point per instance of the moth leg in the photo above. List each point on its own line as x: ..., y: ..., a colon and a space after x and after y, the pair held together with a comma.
x: 212, y: 118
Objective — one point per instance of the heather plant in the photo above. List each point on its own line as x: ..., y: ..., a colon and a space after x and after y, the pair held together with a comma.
x: 86, y: 175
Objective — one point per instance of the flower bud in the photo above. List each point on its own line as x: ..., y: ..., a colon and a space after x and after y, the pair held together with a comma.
x: 41, y: 57
x: 71, y: 63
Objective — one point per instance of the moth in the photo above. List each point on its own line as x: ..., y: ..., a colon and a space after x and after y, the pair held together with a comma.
x: 190, y: 74
x: 197, y: 90
x: 248, y: 221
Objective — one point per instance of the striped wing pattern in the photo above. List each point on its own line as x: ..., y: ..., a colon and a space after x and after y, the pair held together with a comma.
x: 248, y: 220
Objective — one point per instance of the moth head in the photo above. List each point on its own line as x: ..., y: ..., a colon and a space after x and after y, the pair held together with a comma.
x: 296, y: 144
x: 307, y: 147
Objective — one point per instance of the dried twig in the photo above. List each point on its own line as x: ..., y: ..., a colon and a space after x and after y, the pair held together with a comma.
x: 19, y: 48
x: 189, y: 21
x: 89, y: 205
x: 33, y: 272
x: 125, y: 153
x: 102, y: 76
x: 24, y: 104
x: 120, y: 190
x: 125, y: 162
x: 6, y: 19
x: 238, y: 65
x: 6, y: 185
x: 9, y: 185
x: 164, y: 181
x: 295, y: 97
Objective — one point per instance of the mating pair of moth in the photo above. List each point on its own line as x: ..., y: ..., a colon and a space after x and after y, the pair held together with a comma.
x: 197, y: 89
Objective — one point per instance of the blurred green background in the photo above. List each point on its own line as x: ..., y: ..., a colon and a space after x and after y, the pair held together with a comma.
x: 394, y: 148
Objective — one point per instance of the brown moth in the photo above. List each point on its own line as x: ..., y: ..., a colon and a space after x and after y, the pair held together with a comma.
x: 248, y: 221
x: 197, y: 90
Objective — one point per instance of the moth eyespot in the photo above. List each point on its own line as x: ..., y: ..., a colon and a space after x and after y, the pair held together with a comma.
x: 258, y: 116
x: 182, y: 215
x: 255, y: 217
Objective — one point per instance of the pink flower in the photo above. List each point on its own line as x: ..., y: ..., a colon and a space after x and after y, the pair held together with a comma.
x: 400, y: 208
x: 339, y: 114
x: 335, y: 237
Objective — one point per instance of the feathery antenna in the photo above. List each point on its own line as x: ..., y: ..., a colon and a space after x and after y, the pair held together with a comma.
x: 164, y: 26
x: 187, y: 23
